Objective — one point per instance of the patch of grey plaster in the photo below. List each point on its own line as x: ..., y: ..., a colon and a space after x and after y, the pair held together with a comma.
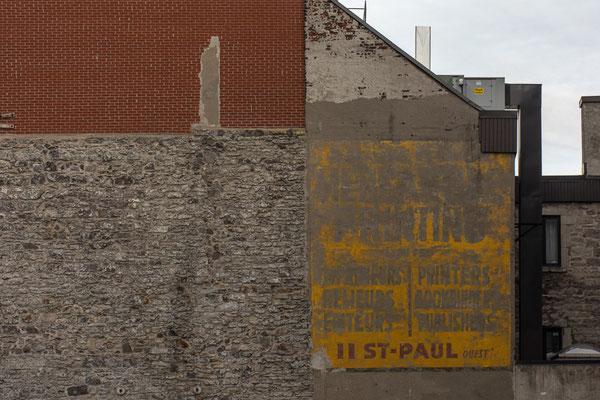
x: 210, y: 81
x: 320, y: 361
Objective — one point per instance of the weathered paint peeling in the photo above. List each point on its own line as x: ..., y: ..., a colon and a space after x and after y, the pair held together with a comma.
x: 333, y: 39
x: 410, y: 258
x: 320, y: 360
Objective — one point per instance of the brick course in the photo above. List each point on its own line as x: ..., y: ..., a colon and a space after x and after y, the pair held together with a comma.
x: 132, y: 67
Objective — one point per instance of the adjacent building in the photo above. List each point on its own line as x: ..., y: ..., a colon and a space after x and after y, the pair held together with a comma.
x: 571, y: 263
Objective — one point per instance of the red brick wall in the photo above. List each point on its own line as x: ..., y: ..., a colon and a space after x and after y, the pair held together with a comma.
x: 127, y: 66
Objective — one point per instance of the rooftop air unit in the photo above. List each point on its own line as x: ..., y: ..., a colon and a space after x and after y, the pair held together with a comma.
x: 488, y: 93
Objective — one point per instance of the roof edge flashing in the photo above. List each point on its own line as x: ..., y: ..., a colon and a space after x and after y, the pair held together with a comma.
x: 588, y: 99
x: 507, y: 114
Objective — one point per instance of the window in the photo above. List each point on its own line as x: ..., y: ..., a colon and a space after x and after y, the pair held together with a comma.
x: 552, y: 340
x: 552, y: 241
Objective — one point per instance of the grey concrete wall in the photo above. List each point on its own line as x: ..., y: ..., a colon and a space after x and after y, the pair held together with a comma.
x: 571, y: 293
x: 384, y: 136
x: 415, y: 385
x: 172, y: 267
x: 557, y: 382
x: 590, y: 136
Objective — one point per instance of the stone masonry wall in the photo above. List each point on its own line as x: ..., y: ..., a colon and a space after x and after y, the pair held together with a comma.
x: 590, y: 135
x: 164, y: 267
x: 571, y: 294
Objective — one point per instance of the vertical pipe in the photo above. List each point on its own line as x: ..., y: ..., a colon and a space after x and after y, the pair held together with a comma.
x: 528, y: 98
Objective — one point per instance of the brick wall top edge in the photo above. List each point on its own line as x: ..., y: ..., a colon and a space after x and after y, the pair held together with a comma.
x: 196, y: 131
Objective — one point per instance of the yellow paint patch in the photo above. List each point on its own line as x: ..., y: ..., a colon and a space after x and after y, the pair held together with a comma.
x: 410, y: 258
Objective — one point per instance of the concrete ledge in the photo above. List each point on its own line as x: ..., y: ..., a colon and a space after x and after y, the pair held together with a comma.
x: 418, y: 385
x: 557, y: 382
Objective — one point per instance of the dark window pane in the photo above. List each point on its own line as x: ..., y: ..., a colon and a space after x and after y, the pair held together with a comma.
x: 552, y: 339
x: 552, y: 240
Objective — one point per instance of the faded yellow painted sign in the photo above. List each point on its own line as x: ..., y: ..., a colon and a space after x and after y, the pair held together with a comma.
x: 410, y: 255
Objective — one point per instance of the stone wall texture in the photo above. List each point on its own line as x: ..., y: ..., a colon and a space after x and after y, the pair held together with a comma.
x: 154, y: 267
x: 590, y: 136
x: 571, y: 293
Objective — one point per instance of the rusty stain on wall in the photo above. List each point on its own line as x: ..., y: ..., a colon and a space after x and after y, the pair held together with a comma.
x: 410, y: 258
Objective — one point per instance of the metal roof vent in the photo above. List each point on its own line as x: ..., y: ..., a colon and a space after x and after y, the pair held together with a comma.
x: 578, y: 352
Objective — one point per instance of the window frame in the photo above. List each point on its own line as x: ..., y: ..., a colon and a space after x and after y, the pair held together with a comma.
x: 557, y: 218
x: 551, y: 330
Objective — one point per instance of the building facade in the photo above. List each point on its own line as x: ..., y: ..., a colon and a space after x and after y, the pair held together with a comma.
x: 568, y: 277
x: 252, y: 200
x: 410, y: 241
x: 571, y: 207
x: 152, y: 204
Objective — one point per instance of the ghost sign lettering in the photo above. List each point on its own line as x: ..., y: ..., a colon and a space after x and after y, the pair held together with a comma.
x: 410, y: 255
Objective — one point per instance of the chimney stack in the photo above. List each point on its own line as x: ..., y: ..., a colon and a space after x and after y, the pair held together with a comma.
x: 590, y: 134
x: 423, y: 45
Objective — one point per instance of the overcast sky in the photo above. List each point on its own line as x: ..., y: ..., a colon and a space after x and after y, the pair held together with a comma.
x: 555, y: 43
